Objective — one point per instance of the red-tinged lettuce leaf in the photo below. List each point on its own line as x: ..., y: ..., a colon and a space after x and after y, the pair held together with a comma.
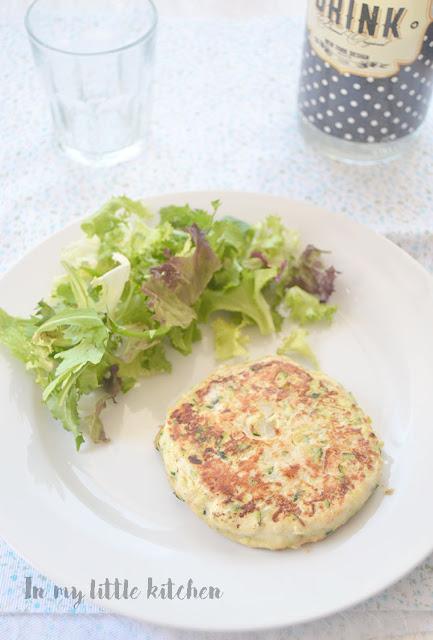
x: 311, y: 275
x: 167, y: 307
x: 112, y: 383
x: 177, y: 284
x: 94, y: 423
x: 260, y: 256
x: 93, y: 404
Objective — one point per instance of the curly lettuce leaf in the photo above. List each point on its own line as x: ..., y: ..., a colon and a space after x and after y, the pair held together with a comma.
x: 120, y: 225
x: 183, y: 217
x: 111, y: 220
x: 58, y: 351
x: 273, y: 243
x: 247, y: 298
x: 229, y: 340
x: 230, y: 239
x: 296, y: 343
x: 305, y: 308
x: 16, y: 334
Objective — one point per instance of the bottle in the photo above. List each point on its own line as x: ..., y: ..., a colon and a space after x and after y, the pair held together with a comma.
x: 366, y: 77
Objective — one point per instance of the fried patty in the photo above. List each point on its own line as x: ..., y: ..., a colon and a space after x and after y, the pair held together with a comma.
x: 270, y: 454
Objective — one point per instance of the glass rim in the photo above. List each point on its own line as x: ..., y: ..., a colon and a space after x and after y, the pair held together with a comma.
x: 145, y: 36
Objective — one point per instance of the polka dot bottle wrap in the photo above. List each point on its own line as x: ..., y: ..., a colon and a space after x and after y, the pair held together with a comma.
x: 366, y: 109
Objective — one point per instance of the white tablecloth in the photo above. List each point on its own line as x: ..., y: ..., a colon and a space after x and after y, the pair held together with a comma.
x: 224, y: 118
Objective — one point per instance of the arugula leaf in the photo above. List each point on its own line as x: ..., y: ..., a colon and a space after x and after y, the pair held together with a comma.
x: 84, y: 318
x: 64, y: 406
x: 77, y: 337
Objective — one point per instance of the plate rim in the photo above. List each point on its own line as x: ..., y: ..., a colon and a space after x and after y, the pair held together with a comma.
x: 211, y: 194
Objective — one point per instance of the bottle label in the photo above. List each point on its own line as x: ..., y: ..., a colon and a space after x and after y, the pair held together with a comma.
x: 371, y: 38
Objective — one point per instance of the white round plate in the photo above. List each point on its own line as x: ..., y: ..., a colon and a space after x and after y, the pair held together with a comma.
x: 108, y: 511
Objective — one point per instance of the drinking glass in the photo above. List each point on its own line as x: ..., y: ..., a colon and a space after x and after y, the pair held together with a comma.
x: 96, y: 61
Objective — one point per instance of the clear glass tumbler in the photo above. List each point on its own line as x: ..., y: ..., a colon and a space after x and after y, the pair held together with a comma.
x: 96, y: 60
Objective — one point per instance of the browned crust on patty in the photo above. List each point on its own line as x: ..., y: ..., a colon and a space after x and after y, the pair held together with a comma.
x: 230, y: 462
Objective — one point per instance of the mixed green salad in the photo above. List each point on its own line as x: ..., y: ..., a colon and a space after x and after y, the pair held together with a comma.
x: 131, y: 288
